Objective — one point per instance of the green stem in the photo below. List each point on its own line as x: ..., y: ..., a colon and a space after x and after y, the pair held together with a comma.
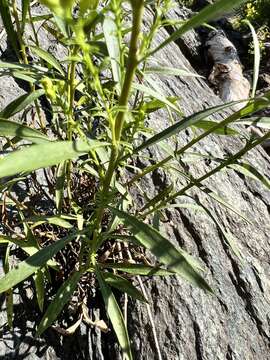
x: 70, y: 113
x: 132, y: 63
x: 138, y: 7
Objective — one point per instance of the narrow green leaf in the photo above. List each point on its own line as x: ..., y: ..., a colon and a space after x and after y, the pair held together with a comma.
x: 138, y: 269
x: 110, y: 34
x: 9, y: 307
x: 49, y: 58
x: 159, y: 197
x: 20, y: 103
x: 40, y: 289
x: 25, y: 6
x: 156, y: 95
x: 7, y: 22
x: 249, y: 170
x: 61, y: 298
x: 11, y: 128
x: 8, y: 293
x: 224, y: 130
x: 54, y: 219
x: 164, y: 70
x: 30, y: 79
x: 175, y: 258
x: 260, y: 121
x: 59, y: 186
x: 26, y: 246
x: 115, y: 316
x: 181, y: 125
x: 32, y: 264
x: 23, y: 67
x: 62, y: 26
x: 122, y: 284
x: 257, y: 57
x: 223, y: 202
x: 210, y: 12
x: 43, y: 155
x: 154, y: 105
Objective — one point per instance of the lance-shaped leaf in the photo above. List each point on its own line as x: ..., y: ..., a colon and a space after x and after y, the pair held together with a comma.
x: 40, y: 288
x: 29, y: 266
x: 8, y: 25
x: 27, y: 246
x: 168, y: 71
x: 110, y: 34
x: 61, y: 298
x: 223, y: 130
x: 175, y: 258
x: 138, y: 269
x: 43, y: 155
x: 257, y: 57
x: 156, y: 95
x: 181, y: 125
x: 20, y: 103
x: 11, y: 128
x: 250, y: 171
x: 54, y: 219
x: 49, y: 58
x: 115, y: 316
x: 262, y: 122
x: 122, y: 284
x: 22, y: 67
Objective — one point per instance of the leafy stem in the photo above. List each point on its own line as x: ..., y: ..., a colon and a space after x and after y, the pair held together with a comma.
x: 138, y: 8
x: 132, y: 63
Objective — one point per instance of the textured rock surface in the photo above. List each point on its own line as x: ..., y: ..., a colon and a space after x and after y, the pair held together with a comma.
x: 189, y: 324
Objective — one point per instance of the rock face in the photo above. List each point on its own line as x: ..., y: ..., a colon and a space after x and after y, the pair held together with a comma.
x: 233, y: 324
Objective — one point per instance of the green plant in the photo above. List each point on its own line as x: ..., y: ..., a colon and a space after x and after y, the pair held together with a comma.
x: 97, y: 113
x: 255, y: 11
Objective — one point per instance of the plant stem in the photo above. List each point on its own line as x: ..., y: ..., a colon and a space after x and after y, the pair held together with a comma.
x: 132, y: 63
x: 137, y: 7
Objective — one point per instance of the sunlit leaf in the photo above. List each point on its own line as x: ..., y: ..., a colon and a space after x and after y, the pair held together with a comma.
x: 110, y: 34
x: 262, y: 122
x: 44, y: 155
x: 175, y: 258
x: 181, y: 125
x: 49, y: 58
x: 12, y: 128
x: 20, y: 103
x: 138, y: 269
x: 250, y: 171
x: 257, y: 57
x: 53, y: 219
x: 165, y: 70
x: 115, y: 316
x: 29, y: 266
x: 156, y: 95
x: 123, y: 285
